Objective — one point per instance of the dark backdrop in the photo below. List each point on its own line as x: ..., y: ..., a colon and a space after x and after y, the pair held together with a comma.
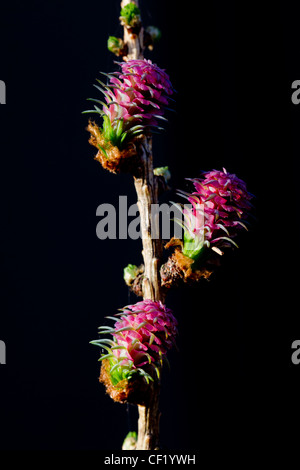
x: 232, y: 381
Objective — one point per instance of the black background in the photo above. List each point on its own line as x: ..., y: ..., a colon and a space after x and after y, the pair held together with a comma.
x: 232, y: 381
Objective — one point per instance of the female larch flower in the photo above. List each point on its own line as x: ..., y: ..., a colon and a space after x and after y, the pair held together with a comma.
x: 217, y: 209
x: 140, y: 340
x: 220, y: 207
x: 134, y: 101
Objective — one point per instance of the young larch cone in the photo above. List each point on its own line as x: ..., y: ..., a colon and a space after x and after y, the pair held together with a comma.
x: 217, y: 210
x: 135, y: 100
x: 226, y: 203
x: 140, y: 340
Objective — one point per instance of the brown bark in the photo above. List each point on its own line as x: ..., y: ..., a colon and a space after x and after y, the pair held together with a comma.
x: 134, y: 42
x: 148, y: 424
x: 147, y: 194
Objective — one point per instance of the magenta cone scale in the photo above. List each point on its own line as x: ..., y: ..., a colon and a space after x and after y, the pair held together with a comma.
x: 142, y: 336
